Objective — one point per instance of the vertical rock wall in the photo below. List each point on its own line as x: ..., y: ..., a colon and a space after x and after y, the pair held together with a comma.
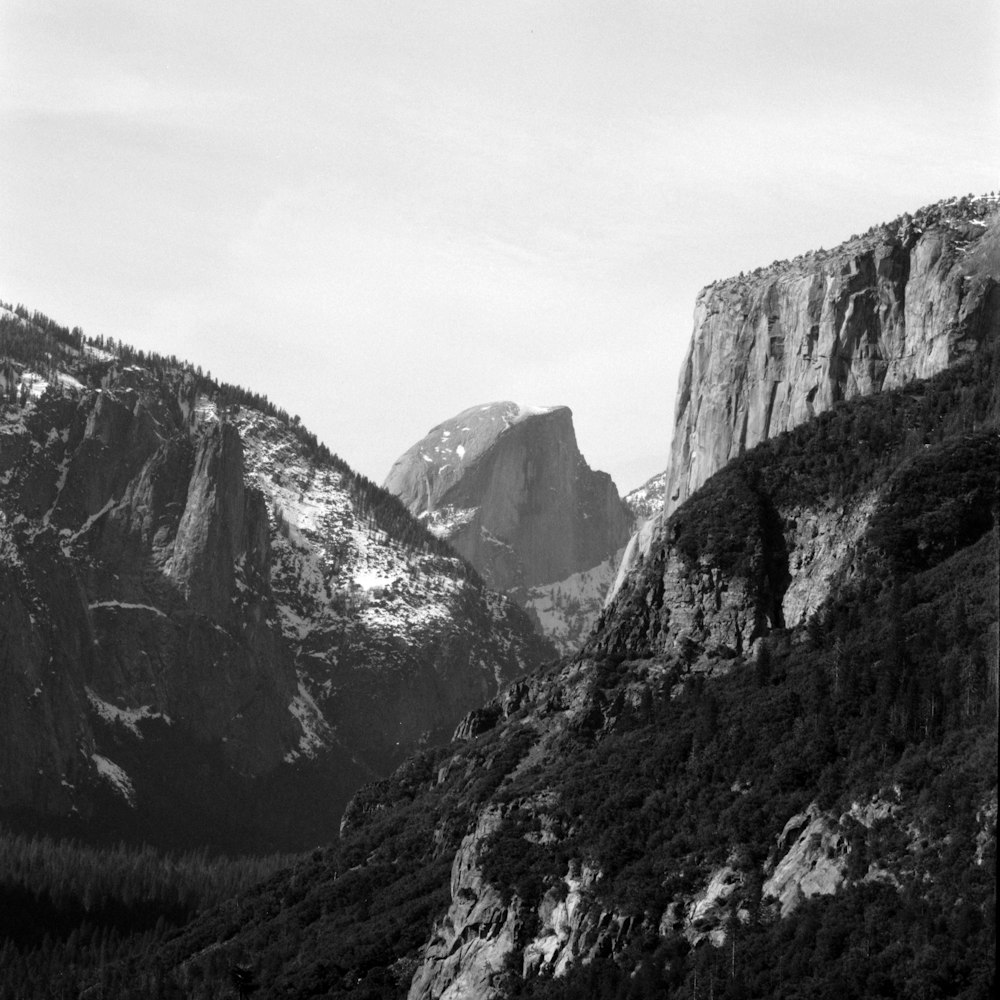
x: 771, y: 349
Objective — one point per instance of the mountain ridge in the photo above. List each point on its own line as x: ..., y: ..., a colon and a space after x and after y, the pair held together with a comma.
x: 675, y: 803
x: 226, y: 580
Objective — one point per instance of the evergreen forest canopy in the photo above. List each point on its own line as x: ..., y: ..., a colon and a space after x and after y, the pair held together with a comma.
x: 891, y: 685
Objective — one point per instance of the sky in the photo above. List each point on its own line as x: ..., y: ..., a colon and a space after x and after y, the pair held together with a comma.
x: 381, y: 213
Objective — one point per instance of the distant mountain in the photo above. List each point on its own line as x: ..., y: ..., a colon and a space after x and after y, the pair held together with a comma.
x: 647, y: 500
x: 214, y: 631
x: 506, y: 485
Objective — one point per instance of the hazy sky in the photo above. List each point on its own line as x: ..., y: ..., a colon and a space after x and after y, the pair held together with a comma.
x: 380, y: 213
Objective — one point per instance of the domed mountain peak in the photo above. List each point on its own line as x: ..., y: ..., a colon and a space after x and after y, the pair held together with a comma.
x: 506, y: 484
x: 439, y: 460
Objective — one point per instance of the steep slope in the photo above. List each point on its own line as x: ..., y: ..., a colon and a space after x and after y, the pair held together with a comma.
x: 507, y: 486
x: 204, y: 609
x: 703, y: 798
x: 772, y: 348
x: 647, y: 501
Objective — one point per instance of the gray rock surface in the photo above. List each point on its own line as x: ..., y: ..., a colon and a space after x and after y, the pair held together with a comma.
x: 507, y: 486
x: 773, y: 348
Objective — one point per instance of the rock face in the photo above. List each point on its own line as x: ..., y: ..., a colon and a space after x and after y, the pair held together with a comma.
x: 773, y: 348
x: 507, y: 486
x: 467, y: 954
x: 473, y: 947
x: 202, y: 612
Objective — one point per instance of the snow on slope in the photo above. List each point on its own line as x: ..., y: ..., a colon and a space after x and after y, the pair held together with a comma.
x: 567, y: 610
x: 351, y: 596
x: 647, y: 500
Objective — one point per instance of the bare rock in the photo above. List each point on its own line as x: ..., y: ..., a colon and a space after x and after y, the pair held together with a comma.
x: 508, y: 487
x: 774, y: 348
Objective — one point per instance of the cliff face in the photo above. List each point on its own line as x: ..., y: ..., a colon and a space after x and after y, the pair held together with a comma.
x: 507, y: 486
x: 128, y: 537
x: 773, y: 348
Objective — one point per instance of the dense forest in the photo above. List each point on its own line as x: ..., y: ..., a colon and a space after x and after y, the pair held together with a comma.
x: 72, y: 914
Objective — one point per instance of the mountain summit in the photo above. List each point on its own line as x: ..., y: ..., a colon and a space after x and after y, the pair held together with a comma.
x: 507, y: 486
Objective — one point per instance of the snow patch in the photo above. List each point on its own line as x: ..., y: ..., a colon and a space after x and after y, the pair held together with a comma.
x: 115, y: 777
x: 127, y: 717
x: 369, y: 579
x: 568, y: 609
x: 315, y: 729
x: 127, y: 607
x: 446, y: 521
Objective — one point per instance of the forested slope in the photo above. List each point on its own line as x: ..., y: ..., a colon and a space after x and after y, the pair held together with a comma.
x: 811, y: 815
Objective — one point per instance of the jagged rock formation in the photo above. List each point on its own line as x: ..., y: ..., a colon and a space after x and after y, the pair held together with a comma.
x: 773, y: 348
x: 468, y: 952
x: 507, y: 486
x: 190, y: 588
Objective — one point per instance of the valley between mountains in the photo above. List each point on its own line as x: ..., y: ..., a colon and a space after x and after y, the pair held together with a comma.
x: 492, y: 730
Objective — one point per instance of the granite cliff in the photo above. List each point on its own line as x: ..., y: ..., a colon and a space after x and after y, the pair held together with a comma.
x: 506, y: 485
x: 775, y: 347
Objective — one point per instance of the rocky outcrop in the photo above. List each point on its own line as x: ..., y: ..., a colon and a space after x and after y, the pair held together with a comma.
x: 573, y: 927
x: 482, y: 941
x: 812, y: 853
x: 813, y: 860
x: 507, y: 486
x: 774, y: 348
x: 469, y: 949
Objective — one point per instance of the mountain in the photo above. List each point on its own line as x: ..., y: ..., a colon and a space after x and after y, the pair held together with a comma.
x: 770, y: 771
x: 214, y: 630
x: 647, y: 500
x: 773, y: 348
x: 506, y: 485
x: 567, y: 610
